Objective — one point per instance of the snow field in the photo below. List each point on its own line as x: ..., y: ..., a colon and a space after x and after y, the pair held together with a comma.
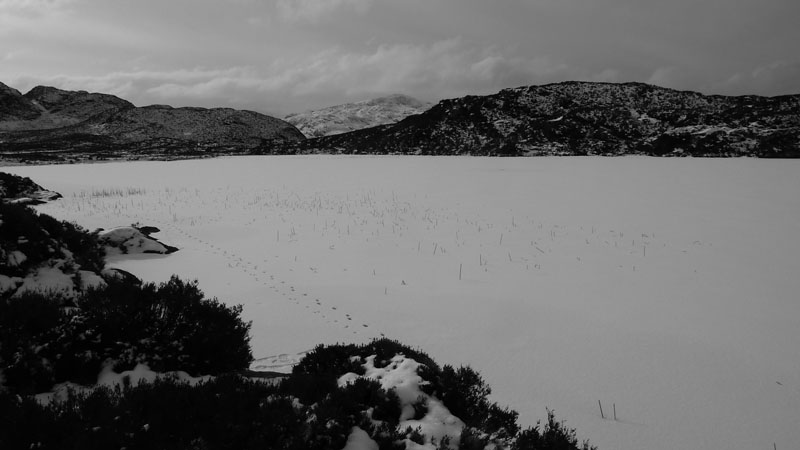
x: 664, y: 287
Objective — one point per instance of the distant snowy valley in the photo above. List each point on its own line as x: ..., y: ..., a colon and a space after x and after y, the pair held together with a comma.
x: 663, y: 288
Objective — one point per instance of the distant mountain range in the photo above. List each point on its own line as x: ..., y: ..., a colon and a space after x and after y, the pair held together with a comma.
x: 583, y: 118
x: 569, y: 118
x: 47, y: 123
x: 355, y: 116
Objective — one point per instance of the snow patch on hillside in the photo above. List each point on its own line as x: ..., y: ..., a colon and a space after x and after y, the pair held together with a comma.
x: 355, y: 116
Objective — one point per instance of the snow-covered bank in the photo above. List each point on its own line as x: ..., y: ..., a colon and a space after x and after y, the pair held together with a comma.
x: 665, y: 287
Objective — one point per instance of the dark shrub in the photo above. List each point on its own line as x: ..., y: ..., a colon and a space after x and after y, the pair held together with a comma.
x: 170, y: 326
x: 226, y: 413
x: 29, y: 326
x: 466, y: 395
x: 44, y: 238
x: 471, y: 439
x: 332, y: 359
x: 315, y: 376
x: 385, y: 349
x: 554, y: 436
x: 230, y: 412
x: 85, y: 246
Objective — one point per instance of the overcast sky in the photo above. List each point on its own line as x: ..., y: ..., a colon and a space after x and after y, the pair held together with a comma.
x: 284, y: 56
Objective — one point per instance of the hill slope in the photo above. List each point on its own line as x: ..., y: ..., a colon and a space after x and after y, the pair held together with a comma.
x: 355, y: 116
x: 48, y: 123
x: 582, y: 118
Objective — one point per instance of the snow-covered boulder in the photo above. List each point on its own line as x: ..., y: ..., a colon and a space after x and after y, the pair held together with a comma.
x: 132, y: 240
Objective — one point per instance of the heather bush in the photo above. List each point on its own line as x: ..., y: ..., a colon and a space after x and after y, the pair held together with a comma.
x: 228, y: 412
x: 169, y: 327
x: 554, y: 435
x: 232, y: 412
x: 42, y: 238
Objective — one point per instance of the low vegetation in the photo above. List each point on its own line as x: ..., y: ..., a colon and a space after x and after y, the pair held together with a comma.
x: 306, y: 410
x: 169, y: 327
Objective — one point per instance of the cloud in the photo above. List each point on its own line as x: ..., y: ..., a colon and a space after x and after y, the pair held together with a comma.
x: 317, y: 10
x: 777, y: 78
x: 20, y: 18
x: 32, y: 8
x: 447, y: 67
x: 135, y: 82
x: 670, y: 77
x: 607, y: 76
x: 444, y: 69
x: 236, y: 87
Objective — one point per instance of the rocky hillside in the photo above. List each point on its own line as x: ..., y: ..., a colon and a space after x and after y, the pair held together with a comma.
x: 14, y: 107
x: 54, y: 124
x: 355, y: 116
x: 45, y: 108
x: 582, y: 118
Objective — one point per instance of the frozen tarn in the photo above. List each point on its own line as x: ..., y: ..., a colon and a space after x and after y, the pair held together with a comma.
x: 664, y: 287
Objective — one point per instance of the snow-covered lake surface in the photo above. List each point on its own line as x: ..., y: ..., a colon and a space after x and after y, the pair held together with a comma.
x: 666, y: 288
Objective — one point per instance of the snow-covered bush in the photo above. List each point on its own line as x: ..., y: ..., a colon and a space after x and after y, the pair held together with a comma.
x: 170, y: 326
x: 553, y: 435
x: 466, y: 394
x: 233, y: 412
x: 38, y: 239
x: 228, y: 412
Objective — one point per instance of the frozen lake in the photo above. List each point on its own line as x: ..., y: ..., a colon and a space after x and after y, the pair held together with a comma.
x: 669, y: 288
